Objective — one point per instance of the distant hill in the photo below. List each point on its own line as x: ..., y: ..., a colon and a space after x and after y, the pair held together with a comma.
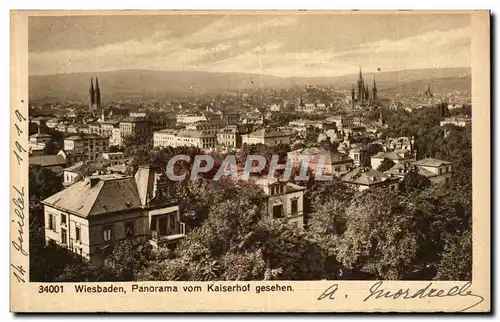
x: 133, y: 84
x: 438, y: 86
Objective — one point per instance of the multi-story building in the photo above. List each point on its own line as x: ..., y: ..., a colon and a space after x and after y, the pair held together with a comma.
x: 190, y: 119
x: 92, y: 214
x: 340, y: 121
x: 286, y: 200
x: 401, y: 143
x: 116, y: 137
x: 138, y: 114
x: 164, y: 138
x: 208, y: 127
x: 80, y: 170
x: 359, y: 155
x: 231, y: 136
x: 363, y: 178
x: 174, y: 138
x: 437, y: 171
x: 399, y: 156
x: 38, y: 141
x: 107, y: 128
x: 334, y: 162
x: 114, y: 158
x: 461, y: 121
x: 95, y: 128
x: 132, y: 127
x: 84, y: 147
x: 266, y: 136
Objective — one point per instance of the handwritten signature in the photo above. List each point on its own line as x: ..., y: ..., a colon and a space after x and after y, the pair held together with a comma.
x: 377, y: 292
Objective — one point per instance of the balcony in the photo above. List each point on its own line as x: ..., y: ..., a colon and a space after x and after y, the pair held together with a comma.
x: 165, y: 235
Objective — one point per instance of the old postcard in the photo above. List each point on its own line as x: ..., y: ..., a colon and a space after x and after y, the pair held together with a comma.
x: 244, y: 161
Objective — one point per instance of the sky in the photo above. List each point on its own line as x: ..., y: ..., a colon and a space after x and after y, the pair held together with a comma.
x: 295, y: 44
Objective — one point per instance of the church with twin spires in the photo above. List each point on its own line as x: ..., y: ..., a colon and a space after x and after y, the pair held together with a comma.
x: 94, y: 96
x: 363, y: 95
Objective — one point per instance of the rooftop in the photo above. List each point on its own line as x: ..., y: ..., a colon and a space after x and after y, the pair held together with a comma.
x: 40, y: 135
x: 47, y: 160
x: 85, y: 137
x: 267, y: 133
x: 366, y: 176
x: 97, y: 195
x: 401, y: 169
x: 430, y: 162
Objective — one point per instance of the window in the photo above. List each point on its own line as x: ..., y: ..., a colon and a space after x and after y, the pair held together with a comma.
x: 129, y: 228
x: 51, y: 222
x: 64, y: 236
x: 337, y: 169
x: 295, y: 206
x: 77, y: 233
x: 356, y: 157
x: 63, y: 219
x: 392, y: 187
x: 106, y: 233
x: 172, y: 221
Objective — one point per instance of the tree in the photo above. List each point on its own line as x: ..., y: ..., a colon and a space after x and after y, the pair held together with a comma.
x: 84, y: 272
x: 127, y: 258
x: 385, y: 165
x: 442, y: 109
x: 43, y: 183
x: 50, y: 148
x: 456, y: 260
x: 412, y: 180
x: 380, y: 236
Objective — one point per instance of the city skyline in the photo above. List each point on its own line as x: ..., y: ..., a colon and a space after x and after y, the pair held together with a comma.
x: 295, y: 44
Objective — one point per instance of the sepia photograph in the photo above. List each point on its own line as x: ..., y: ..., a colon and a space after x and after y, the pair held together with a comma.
x: 249, y: 147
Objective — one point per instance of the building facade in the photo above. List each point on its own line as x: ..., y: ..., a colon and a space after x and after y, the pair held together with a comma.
x: 133, y: 127
x: 90, y: 215
x: 267, y: 137
x: 286, y: 200
x: 175, y: 138
x: 84, y: 147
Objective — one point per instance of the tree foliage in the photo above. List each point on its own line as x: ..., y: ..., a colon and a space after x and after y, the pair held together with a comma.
x: 385, y: 165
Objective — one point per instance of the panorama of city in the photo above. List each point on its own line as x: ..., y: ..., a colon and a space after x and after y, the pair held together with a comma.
x: 199, y: 149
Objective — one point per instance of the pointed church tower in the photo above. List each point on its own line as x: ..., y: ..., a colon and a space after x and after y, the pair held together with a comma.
x: 353, y: 96
x: 91, y: 95
x: 97, y: 94
x: 361, y: 87
x: 374, y: 90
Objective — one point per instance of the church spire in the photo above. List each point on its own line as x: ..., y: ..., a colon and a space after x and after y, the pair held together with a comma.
x: 97, y: 94
x: 374, y: 90
x: 91, y: 94
x: 353, y: 96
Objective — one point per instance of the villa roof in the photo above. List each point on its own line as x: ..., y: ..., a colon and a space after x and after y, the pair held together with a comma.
x: 366, y: 176
x: 430, y: 162
x: 97, y: 195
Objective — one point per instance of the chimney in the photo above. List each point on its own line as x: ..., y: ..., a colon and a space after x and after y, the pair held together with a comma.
x: 92, y: 181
